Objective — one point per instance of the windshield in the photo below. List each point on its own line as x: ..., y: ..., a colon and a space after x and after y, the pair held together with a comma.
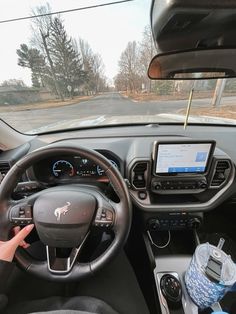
x: 86, y: 65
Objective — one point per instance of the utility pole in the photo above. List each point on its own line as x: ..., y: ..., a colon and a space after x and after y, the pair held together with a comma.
x: 220, y: 86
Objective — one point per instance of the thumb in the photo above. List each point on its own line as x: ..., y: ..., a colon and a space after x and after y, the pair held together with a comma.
x: 21, y: 235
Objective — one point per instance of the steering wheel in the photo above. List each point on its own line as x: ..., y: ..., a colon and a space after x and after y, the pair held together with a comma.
x: 64, y: 215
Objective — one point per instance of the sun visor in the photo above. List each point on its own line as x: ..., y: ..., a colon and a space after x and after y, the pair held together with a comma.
x: 181, y: 25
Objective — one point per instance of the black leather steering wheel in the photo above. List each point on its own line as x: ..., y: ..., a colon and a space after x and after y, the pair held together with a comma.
x: 63, y: 215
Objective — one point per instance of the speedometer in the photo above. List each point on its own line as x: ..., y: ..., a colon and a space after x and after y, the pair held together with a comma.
x: 63, y: 168
x: 100, y: 171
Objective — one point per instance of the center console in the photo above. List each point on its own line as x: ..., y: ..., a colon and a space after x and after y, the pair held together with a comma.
x: 181, y: 174
x: 173, y: 187
x: 170, y: 264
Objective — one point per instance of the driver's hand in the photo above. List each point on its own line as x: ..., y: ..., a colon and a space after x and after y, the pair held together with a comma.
x: 23, y: 243
x: 8, y: 248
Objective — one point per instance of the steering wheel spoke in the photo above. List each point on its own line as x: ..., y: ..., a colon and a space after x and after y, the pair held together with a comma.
x: 105, y: 217
x: 21, y: 213
x: 62, y: 265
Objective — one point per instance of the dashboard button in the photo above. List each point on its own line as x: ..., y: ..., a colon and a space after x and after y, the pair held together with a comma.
x: 142, y: 195
x: 157, y: 186
x: 154, y: 224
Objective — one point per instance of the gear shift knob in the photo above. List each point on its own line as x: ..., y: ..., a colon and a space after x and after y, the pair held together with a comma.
x: 171, y: 288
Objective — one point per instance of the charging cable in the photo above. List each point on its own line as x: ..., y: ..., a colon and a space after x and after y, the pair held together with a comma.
x: 156, y: 245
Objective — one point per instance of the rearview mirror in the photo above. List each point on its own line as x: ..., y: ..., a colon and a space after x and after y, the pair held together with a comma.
x: 194, y: 64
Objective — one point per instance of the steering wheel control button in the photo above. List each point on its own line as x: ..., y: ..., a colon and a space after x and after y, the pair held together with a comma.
x: 104, y: 218
x: 21, y: 215
x: 27, y: 187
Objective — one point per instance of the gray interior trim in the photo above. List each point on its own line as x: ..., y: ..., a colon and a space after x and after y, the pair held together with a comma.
x: 10, y: 138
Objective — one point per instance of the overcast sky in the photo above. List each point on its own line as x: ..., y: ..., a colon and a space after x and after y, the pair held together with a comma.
x: 107, y: 30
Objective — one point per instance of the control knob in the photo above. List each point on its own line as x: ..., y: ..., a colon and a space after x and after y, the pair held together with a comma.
x: 157, y: 186
x: 202, y: 184
x: 194, y: 223
x: 154, y: 224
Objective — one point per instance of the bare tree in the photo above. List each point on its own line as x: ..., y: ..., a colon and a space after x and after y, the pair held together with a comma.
x: 98, y: 71
x: 41, y: 28
x: 129, y: 66
x: 14, y: 82
x: 87, y: 56
x: 147, y: 52
x: 94, y: 66
x: 133, y: 67
x: 121, y: 82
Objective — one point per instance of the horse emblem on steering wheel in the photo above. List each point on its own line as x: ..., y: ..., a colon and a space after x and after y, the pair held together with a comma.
x: 58, y: 212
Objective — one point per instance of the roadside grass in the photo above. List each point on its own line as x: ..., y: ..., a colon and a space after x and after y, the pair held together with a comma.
x: 139, y: 97
x: 225, y: 111
x: 55, y: 103
x: 155, y: 97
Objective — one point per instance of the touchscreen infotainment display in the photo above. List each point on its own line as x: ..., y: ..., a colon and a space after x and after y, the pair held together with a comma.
x: 182, y: 157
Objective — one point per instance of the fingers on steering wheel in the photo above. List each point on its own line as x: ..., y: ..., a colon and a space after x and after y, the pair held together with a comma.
x: 20, y: 235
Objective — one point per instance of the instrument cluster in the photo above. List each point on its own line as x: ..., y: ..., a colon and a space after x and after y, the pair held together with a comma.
x: 71, y: 167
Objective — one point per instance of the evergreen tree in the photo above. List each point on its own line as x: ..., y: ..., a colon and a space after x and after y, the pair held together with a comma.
x: 32, y: 58
x: 67, y: 62
x: 55, y: 60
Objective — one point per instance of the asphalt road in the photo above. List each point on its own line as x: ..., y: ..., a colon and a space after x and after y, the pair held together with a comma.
x: 105, y: 105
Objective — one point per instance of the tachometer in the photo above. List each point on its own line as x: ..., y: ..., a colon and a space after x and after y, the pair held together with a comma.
x: 63, y: 168
x: 100, y: 171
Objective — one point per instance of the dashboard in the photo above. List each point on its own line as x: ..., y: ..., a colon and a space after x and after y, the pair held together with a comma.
x: 167, y: 169
x: 163, y: 173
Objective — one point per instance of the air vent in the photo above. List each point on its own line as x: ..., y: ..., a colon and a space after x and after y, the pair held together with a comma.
x: 221, y: 174
x: 4, y: 168
x: 139, y: 175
